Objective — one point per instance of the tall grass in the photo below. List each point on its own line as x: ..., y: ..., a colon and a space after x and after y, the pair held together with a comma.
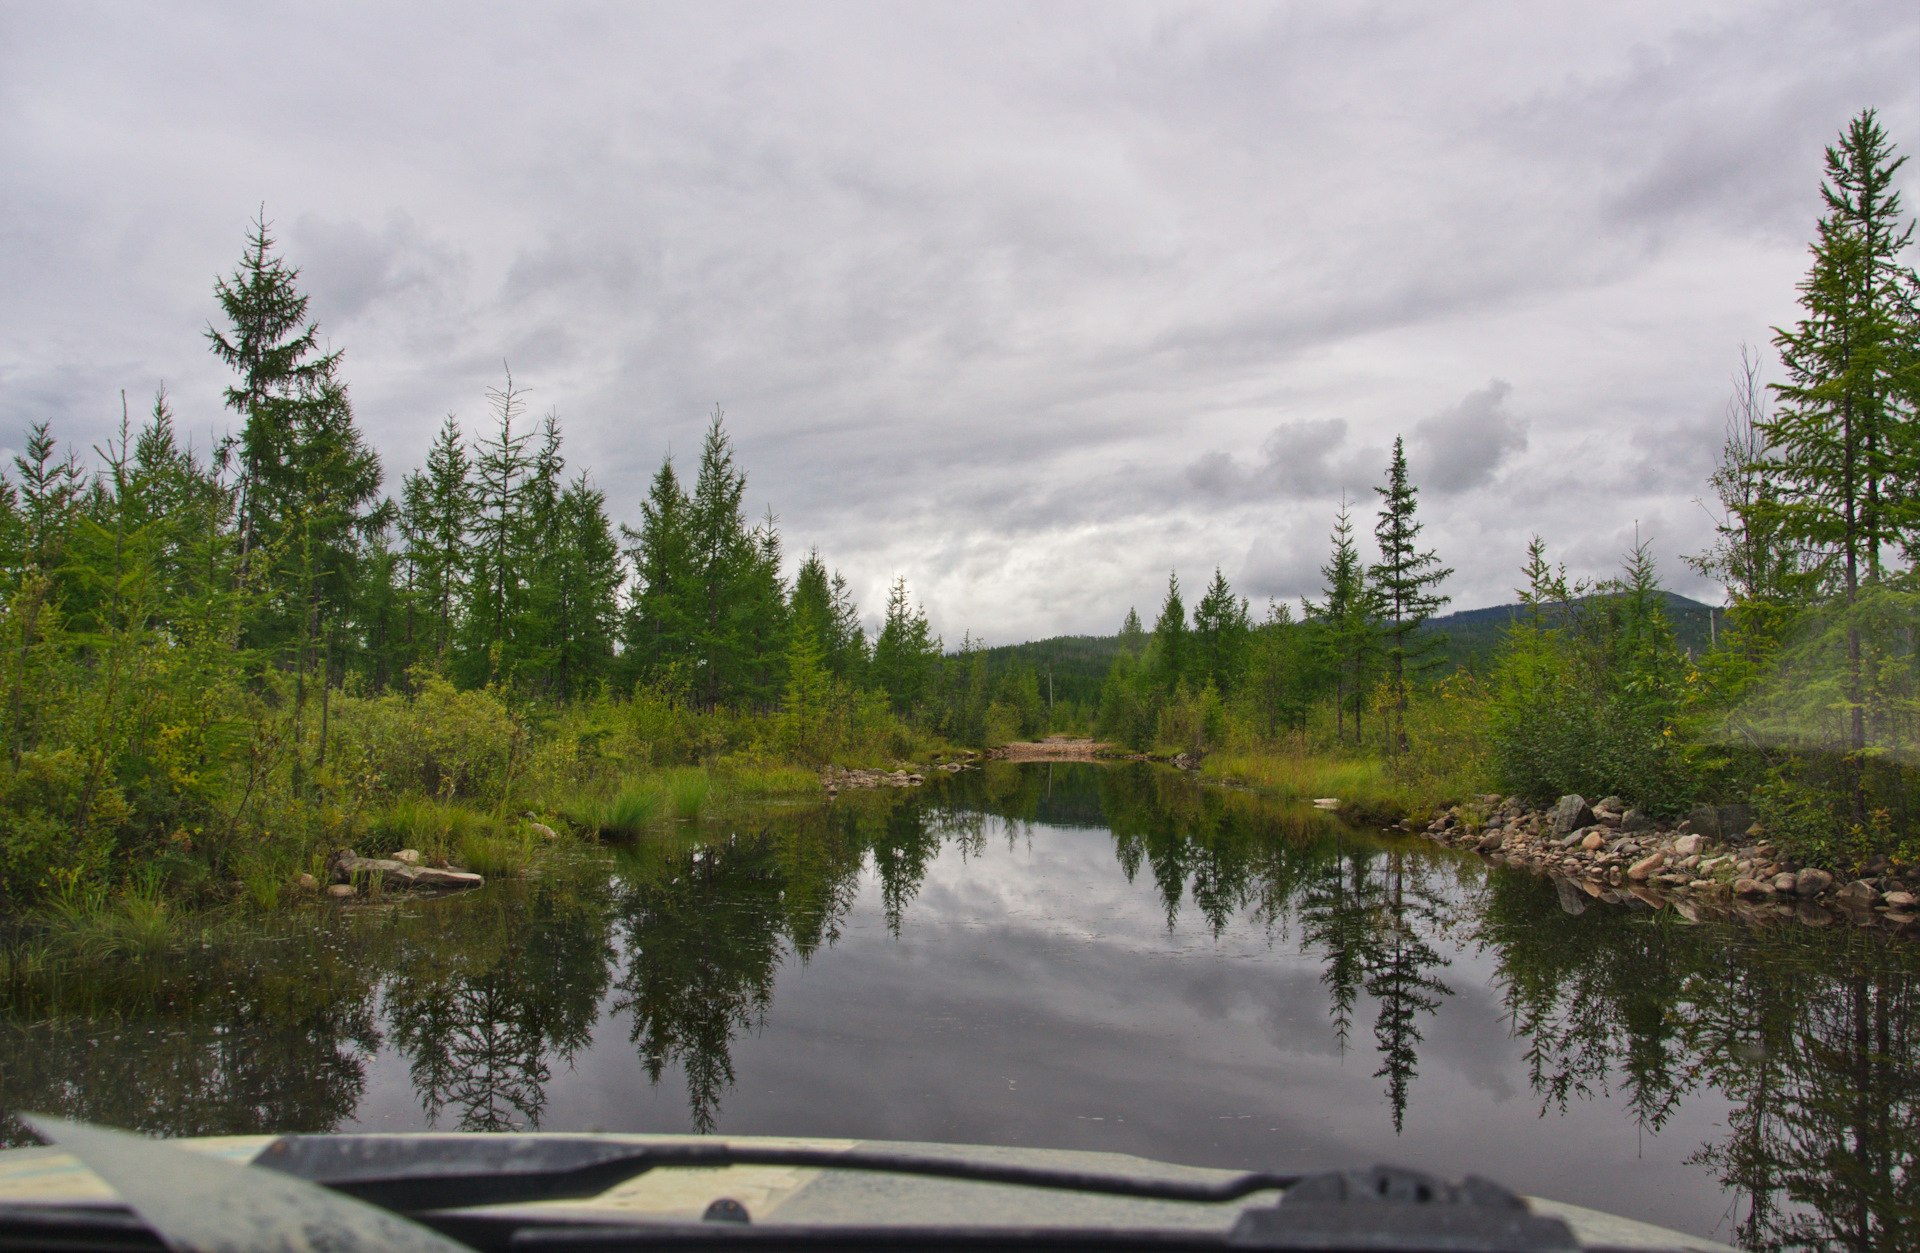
x: 496, y: 856
x: 437, y: 828
x: 1368, y: 788
x: 688, y: 791
x: 627, y: 812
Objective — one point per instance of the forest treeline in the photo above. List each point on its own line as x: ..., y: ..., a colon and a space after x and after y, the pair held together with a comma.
x: 1806, y: 702
x: 216, y: 664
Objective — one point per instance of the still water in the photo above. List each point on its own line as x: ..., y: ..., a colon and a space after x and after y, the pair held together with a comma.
x: 1065, y: 956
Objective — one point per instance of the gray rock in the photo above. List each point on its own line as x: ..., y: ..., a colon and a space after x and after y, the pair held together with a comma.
x: 1859, y: 892
x: 1785, y: 884
x: 1489, y: 842
x: 1688, y: 845
x: 1811, y: 882
x: 341, y: 890
x: 411, y: 856
x: 1635, y: 820
x: 1569, y: 812
x: 1611, y: 804
x: 1721, y: 822
x: 1744, y: 886
x: 456, y: 880
x: 1899, y: 900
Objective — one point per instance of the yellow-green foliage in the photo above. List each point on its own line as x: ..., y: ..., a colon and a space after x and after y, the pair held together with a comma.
x: 436, y: 741
x: 43, y: 804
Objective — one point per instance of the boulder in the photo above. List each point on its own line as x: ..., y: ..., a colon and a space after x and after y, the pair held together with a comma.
x: 411, y: 856
x: 1635, y: 820
x: 1744, y: 886
x: 1859, y: 892
x: 1721, y: 822
x: 1811, y: 882
x: 1592, y: 840
x: 338, y: 861
x: 1569, y: 812
x: 1611, y: 804
x: 340, y: 890
x: 1899, y: 900
x: 399, y: 874
x: 1489, y: 842
x: 1785, y: 884
x: 1644, y: 868
x: 1688, y: 845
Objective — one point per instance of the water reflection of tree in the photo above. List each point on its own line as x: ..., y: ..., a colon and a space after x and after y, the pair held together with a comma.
x: 1812, y: 1036
x: 232, y: 1039
x: 482, y: 1023
x: 1370, y: 909
x: 1398, y: 981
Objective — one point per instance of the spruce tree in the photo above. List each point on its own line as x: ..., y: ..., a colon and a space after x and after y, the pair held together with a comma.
x: 1220, y: 632
x: 905, y: 652
x: 575, y: 591
x: 723, y: 558
x: 437, y: 520
x: 1404, y: 582
x: 825, y: 602
x: 662, y: 613
x: 308, y: 482
x: 1170, y: 660
x: 1347, y: 623
x: 1841, y: 446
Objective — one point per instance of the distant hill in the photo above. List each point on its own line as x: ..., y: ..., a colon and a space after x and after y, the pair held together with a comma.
x: 1474, y: 634
x: 1079, y: 663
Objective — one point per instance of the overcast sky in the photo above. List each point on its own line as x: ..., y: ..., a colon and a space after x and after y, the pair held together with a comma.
x: 1028, y: 303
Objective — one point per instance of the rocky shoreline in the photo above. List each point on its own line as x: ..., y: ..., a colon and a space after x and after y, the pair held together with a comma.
x: 1716, y: 863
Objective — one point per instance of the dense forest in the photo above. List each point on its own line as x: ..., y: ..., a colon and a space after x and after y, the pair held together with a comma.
x: 218, y: 664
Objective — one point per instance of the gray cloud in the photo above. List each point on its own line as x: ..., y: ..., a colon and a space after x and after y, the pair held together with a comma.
x: 1461, y: 448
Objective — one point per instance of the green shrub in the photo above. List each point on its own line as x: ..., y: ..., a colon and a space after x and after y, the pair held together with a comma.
x: 40, y: 807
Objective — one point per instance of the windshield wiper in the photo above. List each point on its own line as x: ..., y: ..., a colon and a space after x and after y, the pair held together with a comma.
x: 426, y: 1172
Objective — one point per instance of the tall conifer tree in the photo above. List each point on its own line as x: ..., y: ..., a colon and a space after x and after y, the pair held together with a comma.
x: 1404, y: 582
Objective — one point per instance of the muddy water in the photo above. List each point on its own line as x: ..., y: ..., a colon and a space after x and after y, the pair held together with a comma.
x: 1055, y: 955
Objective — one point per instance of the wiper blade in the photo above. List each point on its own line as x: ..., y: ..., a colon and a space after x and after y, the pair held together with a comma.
x: 194, y: 1202
x: 449, y: 1172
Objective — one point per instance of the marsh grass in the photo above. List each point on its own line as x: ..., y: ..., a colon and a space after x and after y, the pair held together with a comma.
x: 437, y: 828
x: 759, y: 780
x: 626, y: 813
x: 496, y: 856
x: 688, y: 791
x: 1369, y: 789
